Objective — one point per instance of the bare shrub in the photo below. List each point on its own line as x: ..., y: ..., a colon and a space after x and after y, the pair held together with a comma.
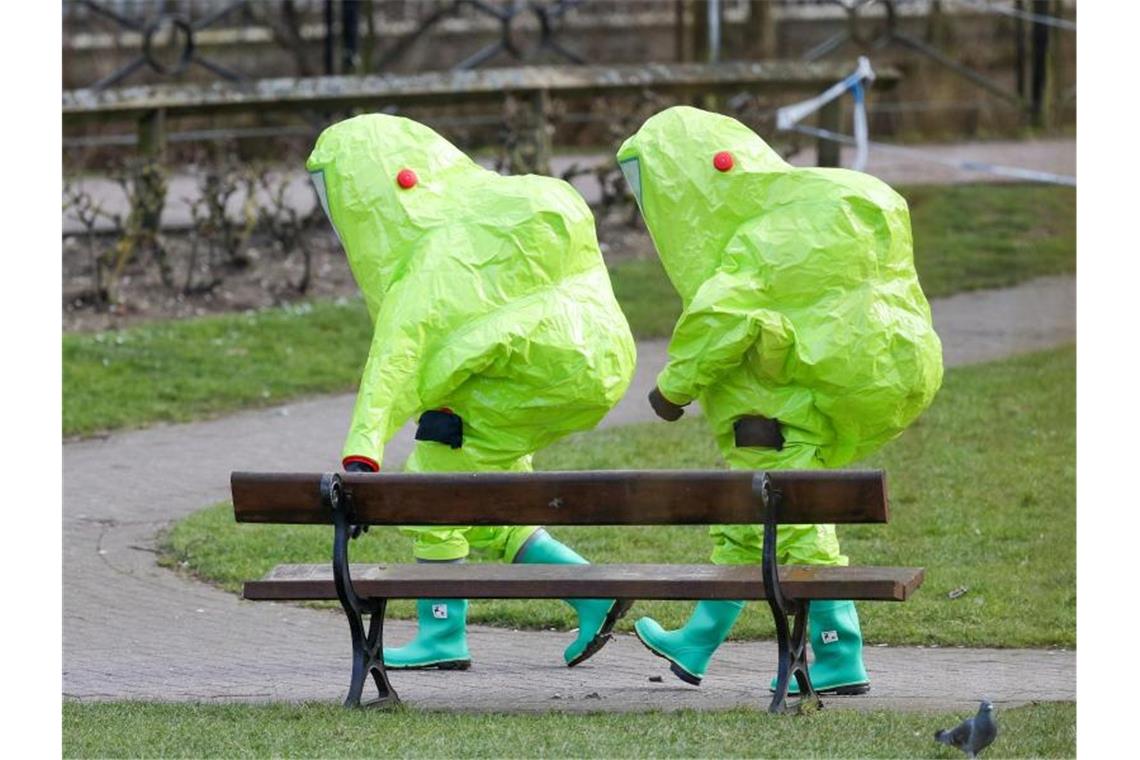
x: 221, y: 177
x: 525, y: 134
x: 286, y: 226
x: 144, y: 183
x: 87, y: 211
x: 202, y: 275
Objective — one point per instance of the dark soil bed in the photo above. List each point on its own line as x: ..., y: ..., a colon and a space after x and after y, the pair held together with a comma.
x: 267, y: 280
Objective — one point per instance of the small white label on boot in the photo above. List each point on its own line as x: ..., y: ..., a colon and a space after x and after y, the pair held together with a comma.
x: 439, y: 611
x: 829, y: 637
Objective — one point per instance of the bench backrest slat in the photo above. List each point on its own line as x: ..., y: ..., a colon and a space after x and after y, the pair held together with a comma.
x: 618, y: 497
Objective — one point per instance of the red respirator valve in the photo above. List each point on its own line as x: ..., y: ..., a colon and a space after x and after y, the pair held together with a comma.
x: 407, y: 179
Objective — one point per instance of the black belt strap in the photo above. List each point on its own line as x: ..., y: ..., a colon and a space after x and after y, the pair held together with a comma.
x: 441, y: 426
x: 758, y: 432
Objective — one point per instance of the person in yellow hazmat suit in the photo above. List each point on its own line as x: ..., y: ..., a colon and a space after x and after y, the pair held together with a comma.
x: 805, y: 336
x: 495, y: 327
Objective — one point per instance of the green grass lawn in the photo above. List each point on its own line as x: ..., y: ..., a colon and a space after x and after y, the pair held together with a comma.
x: 982, y: 495
x: 181, y: 370
x: 133, y: 729
x: 966, y: 237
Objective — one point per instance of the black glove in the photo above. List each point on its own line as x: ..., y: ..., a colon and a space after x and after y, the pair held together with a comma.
x: 663, y: 407
x: 441, y: 426
x: 355, y: 465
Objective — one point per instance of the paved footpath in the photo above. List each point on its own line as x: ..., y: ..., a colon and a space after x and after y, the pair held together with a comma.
x: 133, y: 630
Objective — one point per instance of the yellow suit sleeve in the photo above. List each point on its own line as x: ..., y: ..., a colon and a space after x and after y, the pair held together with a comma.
x: 388, y: 395
x: 715, y: 330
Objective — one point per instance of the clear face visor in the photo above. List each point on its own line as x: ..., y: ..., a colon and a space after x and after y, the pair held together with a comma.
x: 318, y: 180
x: 631, y: 170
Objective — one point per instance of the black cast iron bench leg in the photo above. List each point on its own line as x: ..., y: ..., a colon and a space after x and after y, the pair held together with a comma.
x: 367, y: 649
x: 792, y: 645
x: 792, y: 659
x: 368, y: 656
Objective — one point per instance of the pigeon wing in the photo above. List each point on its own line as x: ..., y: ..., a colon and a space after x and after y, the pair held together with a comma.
x: 959, y: 736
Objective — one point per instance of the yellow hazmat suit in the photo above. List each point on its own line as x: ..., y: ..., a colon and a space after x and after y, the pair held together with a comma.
x: 495, y: 324
x: 805, y: 335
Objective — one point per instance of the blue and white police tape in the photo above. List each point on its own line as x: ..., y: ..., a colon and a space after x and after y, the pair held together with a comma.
x: 788, y: 117
x: 1014, y: 172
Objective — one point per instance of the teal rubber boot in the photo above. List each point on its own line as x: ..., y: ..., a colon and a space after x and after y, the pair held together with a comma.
x: 689, y: 648
x: 441, y: 641
x: 596, y: 617
x: 837, y: 643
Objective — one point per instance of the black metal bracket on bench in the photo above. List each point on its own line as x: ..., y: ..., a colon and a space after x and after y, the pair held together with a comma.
x: 367, y: 649
x: 792, y: 645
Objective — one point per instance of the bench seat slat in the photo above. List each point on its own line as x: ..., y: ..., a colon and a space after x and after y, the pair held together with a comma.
x: 677, y: 582
x: 617, y: 497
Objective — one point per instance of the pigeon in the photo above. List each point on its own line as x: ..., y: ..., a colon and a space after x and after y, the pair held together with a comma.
x: 973, y: 734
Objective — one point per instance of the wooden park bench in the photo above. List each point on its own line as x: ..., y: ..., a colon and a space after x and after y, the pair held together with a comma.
x: 351, y: 501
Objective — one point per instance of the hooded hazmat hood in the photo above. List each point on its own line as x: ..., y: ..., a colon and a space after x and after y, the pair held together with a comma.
x: 691, y: 207
x: 354, y: 167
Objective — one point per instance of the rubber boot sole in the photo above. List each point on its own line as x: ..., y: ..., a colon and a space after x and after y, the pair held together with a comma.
x: 851, y: 690
x: 445, y: 665
x: 605, y: 633
x: 676, y: 669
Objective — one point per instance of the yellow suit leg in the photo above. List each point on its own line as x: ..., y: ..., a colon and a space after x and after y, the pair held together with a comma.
x: 449, y: 543
x: 796, y: 544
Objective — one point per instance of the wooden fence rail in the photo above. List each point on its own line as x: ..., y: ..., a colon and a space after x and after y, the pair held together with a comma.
x: 152, y: 107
